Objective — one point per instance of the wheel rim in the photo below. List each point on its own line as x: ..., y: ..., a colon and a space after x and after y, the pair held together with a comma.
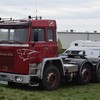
x: 86, y: 74
x: 51, y: 79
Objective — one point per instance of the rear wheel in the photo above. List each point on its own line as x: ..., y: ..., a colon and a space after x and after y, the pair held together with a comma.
x: 85, y: 74
x: 51, y: 78
x: 97, y: 74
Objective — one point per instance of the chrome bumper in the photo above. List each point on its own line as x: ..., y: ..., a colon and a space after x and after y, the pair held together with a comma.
x: 14, y: 78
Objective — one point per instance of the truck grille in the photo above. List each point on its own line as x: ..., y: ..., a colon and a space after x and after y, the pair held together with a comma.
x: 6, y: 62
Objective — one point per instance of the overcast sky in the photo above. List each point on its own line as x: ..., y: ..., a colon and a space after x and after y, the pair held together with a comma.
x: 79, y: 15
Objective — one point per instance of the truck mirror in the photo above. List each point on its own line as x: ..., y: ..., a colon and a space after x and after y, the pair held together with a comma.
x: 82, y: 53
x: 36, y: 36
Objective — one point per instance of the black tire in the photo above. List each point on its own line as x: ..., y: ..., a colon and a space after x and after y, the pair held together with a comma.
x: 51, y: 78
x: 97, y: 74
x: 85, y: 74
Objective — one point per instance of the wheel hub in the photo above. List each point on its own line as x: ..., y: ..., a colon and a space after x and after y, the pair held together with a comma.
x: 85, y: 74
x: 51, y: 79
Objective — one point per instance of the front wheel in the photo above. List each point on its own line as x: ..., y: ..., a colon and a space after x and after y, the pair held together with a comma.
x: 51, y: 78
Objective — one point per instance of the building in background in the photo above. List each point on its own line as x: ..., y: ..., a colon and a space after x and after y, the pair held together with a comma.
x: 67, y: 37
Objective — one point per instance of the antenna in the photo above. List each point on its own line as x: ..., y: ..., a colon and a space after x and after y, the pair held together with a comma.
x: 21, y: 12
x: 36, y: 7
x: 36, y: 17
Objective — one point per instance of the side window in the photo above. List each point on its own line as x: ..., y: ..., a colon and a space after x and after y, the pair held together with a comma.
x: 50, y: 35
x: 37, y: 35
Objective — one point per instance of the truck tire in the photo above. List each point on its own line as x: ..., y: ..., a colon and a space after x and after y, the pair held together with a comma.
x: 85, y: 74
x: 51, y: 78
x: 97, y: 74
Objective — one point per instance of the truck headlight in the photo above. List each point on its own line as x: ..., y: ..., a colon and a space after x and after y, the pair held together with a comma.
x: 19, y: 79
x: 33, y: 69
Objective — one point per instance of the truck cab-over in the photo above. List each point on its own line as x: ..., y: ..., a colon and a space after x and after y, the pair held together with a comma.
x: 29, y: 55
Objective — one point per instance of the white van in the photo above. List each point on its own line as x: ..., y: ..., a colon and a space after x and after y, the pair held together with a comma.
x: 89, y: 49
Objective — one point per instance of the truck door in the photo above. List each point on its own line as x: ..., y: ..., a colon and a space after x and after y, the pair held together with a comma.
x: 44, y: 41
x: 38, y: 42
x: 52, y: 42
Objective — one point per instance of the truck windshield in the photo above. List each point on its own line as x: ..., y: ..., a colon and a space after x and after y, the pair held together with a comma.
x: 17, y: 35
x: 72, y: 52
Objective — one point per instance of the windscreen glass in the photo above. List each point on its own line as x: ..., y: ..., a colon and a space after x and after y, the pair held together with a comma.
x: 14, y: 35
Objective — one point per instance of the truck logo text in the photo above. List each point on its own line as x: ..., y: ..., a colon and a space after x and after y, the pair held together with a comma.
x: 6, y: 54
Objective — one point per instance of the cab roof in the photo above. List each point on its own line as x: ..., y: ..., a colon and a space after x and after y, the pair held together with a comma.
x: 43, y: 23
x: 34, y: 23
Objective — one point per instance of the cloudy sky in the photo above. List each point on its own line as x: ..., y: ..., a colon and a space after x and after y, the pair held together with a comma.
x: 79, y: 15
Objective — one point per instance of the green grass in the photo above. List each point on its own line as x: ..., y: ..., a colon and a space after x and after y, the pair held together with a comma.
x: 68, y: 92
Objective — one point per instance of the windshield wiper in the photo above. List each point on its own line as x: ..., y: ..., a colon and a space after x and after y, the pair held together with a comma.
x: 15, y: 41
x: 10, y: 42
x: 4, y: 41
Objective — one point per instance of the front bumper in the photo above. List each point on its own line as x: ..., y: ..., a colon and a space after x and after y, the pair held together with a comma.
x: 14, y: 78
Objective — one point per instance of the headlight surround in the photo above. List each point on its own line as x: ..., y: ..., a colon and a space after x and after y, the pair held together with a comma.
x: 33, y: 69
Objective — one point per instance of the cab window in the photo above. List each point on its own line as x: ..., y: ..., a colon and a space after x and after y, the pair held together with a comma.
x: 50, y: 35
x: 37, y: 34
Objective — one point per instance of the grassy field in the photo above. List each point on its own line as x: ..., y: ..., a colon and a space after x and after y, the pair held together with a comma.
x: 68, y: 92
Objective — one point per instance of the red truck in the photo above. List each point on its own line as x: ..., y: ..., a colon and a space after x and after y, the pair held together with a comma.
x: 29, y: 55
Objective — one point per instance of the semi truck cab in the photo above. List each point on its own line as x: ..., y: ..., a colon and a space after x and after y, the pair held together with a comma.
x: 87, y: 48
x: 25, y: 43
